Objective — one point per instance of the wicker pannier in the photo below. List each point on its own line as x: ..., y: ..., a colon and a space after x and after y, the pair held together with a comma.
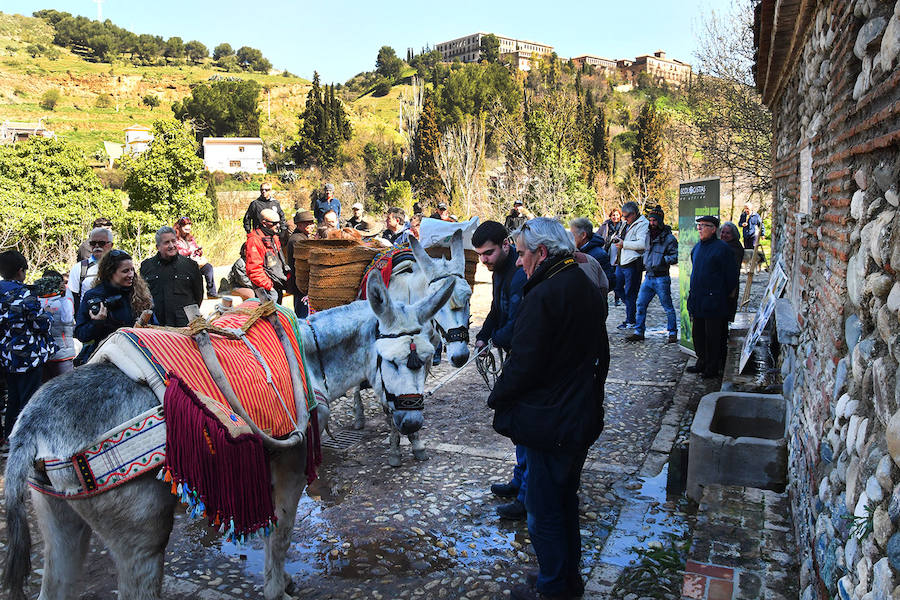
x: 471, y: 261
x: 301, y: 258
x: 335, y: 274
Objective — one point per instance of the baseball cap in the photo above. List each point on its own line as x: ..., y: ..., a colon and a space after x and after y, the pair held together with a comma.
x: 357, y: 205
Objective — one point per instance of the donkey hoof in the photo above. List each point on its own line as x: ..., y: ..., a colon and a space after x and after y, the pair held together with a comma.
x: 394, y: 460
x: 420, y: 454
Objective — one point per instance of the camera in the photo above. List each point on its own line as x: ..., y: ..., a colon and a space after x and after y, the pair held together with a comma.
x: 112, y: 303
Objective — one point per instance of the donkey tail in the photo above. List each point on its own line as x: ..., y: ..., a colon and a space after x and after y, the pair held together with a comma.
x: 23, y: 450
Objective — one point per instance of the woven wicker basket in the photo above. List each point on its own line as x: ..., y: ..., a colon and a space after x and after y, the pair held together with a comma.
x: 471, y: 261
x: 301, y: 258
x: 335, y: 274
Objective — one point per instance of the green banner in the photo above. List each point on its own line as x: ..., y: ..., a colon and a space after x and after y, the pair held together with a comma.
x: 695, y: 198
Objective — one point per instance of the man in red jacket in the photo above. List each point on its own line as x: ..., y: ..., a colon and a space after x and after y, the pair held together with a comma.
x: 266, y: 267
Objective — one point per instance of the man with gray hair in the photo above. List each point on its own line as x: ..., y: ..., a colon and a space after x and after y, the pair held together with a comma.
x: 82, y: 275
x: 323, y: 205
x: 174, y: 280
x: 631, y: 242
x: 549, y: 399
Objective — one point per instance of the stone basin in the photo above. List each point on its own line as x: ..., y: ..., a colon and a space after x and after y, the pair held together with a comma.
x: 738, y: 438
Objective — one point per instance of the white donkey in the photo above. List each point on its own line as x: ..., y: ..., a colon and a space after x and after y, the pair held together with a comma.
x: 410, y: 282
x: 379, y: 340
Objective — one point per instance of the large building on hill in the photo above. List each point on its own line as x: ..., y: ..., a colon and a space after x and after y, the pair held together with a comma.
x: 659, y: 68
x: 15, y: 131
x: 606, y: 65
x: 468, y: 49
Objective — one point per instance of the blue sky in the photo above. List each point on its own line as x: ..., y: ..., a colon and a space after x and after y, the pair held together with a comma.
x: 341, y: 38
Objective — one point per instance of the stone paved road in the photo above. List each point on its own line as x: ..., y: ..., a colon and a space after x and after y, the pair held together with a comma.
x: 428, y: 529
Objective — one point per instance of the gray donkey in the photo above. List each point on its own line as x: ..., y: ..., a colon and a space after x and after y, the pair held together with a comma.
x: 410, y: 283
x: 379, y: 340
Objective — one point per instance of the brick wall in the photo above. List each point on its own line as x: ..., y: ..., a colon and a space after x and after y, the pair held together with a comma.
x: 842, y: 99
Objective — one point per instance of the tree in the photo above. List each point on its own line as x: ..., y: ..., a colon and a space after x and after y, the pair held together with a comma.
x: 196, y: 51
x: 473, y: 90
x: 151, y: 101
x: 426, y: 179
x: 324, y: 127
x: 647, y: 156
x: 50, y: 99
x: 222, y: 108
x: 251, y: 59
x: 382, y: 87
x: 168, y: 178
x: 174, y: 48
x: 490, y: 48
x: 387, y: 64
x: 222, y: 50
x: 600, y: 144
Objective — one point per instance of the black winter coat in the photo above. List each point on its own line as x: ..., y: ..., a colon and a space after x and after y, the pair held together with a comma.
x: 661, y: 252
x: 508, y: 285
x: 713, y: 278
x: 251, y: 217
x: 173, y: 284
x: 550, y: 394
x: 595, y: 247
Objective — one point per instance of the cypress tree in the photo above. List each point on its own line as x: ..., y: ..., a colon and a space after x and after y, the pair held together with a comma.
x: 426, y: 179
x: 647, y: 155
x: 600, y: 143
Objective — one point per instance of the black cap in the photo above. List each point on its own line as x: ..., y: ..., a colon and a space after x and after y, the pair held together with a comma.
x: 708, y: 219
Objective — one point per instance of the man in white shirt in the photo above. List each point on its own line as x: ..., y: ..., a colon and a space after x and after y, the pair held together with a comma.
x: 630, y: 258
x: 82, y: 275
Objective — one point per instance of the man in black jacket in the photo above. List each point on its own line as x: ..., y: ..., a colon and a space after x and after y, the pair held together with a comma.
x: 491, y: 242
x: 265, y: 200
x: 174, y: 280
x: 549, y: 398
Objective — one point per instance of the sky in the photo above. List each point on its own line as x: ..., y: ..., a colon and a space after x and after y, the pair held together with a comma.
x: 341, y: 38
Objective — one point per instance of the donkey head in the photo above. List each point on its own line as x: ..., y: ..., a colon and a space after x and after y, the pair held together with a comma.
x: 452, y: 320
x: 402, y: 349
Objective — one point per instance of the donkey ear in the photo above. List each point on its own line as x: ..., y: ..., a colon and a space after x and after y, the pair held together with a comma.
x: 422, y: 258
x: 379, y: 299
x: 457, y: 253
x: 427, y: 308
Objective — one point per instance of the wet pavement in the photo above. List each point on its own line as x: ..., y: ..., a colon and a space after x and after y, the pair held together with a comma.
x: 428, y: 529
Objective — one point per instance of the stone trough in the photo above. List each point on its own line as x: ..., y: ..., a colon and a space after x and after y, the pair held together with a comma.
x: 738, y: 438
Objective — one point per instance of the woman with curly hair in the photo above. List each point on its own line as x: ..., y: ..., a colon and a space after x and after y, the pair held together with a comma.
x: 120, y: 297
x: 187, y: 246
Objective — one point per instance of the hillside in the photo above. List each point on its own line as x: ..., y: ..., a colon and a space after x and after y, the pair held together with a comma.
x: 24, y: 78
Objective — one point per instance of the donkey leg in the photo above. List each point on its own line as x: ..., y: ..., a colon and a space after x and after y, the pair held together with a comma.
x: 418, y: 446
x: 134, y: 521
x: 66, y: 537
x: 394, y: 451
x: 359, y: 412
x: 288, y: 481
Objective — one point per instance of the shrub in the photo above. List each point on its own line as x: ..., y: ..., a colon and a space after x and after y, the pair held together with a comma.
x: 289, y: 176
x: 20, y: 92
x: 104, y: 101
x: 218, y: 177
x: 398, y: 193
x: 242, y: 176
x: 150, y: 100
x: 382, y: 88
x: 113, y: 179
x: 50, y: 99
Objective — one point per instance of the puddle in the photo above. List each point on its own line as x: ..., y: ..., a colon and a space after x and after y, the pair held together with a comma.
x: 643, y: 519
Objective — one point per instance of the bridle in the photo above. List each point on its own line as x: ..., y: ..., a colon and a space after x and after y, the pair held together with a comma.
x: 413, y: 363
x: 456, y: 334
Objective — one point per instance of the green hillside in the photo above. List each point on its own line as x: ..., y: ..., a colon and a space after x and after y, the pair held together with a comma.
x: 26, y: 74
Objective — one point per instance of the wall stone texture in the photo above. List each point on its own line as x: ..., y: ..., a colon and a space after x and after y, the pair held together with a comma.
x: 843, y: 101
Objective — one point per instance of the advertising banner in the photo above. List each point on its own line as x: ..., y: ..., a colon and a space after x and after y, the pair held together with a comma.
x: 695, y: 198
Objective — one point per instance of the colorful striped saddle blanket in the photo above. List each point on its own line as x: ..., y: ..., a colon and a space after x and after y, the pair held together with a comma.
x: 384, y: 263
x: 264, y: 388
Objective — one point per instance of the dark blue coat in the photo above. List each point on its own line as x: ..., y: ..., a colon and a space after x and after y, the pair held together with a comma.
x: 661, y: 252
x: 594, y: 248
x: 25, y: 339
x: 713, y: 278
x: 509, y: 281
x: 749, y: 223
x: 118, y: 313
x: 322, y: 206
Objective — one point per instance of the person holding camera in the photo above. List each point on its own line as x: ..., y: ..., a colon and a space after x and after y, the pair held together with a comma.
x: 188, y: 247
x: 119, y: 297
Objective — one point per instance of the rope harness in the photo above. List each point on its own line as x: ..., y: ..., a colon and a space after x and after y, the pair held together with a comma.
x: 456, y: 334
x: 413, y: 363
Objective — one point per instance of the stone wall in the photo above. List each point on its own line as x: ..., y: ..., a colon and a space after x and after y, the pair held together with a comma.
x: 835, y: 229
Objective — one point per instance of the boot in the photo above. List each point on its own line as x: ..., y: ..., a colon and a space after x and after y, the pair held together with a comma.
x: 505, y: 490
x: 514, y: 511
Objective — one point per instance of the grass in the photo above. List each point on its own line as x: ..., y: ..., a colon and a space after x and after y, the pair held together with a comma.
x: 221, y: 241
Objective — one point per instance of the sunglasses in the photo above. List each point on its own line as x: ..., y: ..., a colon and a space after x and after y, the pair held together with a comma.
x: 119, y: 254
x: 98, y: 243
x: 267, y: 189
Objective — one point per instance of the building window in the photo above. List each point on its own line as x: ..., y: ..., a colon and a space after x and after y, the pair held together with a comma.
x: 234, y: 163
x: 240, y: 148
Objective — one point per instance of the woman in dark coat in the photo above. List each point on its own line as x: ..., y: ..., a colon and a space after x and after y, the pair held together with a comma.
x: 728, y: 233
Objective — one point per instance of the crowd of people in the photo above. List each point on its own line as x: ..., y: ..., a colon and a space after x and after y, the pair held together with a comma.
x: 549, y: 292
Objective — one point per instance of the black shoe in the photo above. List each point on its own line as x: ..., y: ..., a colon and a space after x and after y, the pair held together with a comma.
x: 213, y: 296
x: 524, y: 591
x: 505, y: 490
x: 514, y: 511
x: 695, y: 368
x: 635, y: 337
x: 673, y: 338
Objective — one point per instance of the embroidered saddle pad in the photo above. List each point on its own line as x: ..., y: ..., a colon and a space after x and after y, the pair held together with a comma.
x: 169, y: 351
x: 384, y: 263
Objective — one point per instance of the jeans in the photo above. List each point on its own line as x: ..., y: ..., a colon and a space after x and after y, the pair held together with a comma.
x: 207, y: 272
x: 552, y: 505
x: 629, y: 278
x: 300, y: 307
x: 20, y: 387
x: 661, y: 286
x: 520, y: 474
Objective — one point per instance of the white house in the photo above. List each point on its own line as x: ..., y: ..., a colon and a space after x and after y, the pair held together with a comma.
x: 137, y: 138
x: 14, y: 131
x: 233, y: 155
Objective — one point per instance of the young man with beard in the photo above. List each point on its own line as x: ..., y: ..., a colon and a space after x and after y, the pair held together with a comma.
x: 491, y: 242
x: 660, y: 254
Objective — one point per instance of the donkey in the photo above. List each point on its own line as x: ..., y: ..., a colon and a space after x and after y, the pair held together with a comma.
x: 378, y: 339
x: 451, y: 323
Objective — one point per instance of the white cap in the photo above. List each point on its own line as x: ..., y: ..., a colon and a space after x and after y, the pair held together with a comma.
x: 357, y: 205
